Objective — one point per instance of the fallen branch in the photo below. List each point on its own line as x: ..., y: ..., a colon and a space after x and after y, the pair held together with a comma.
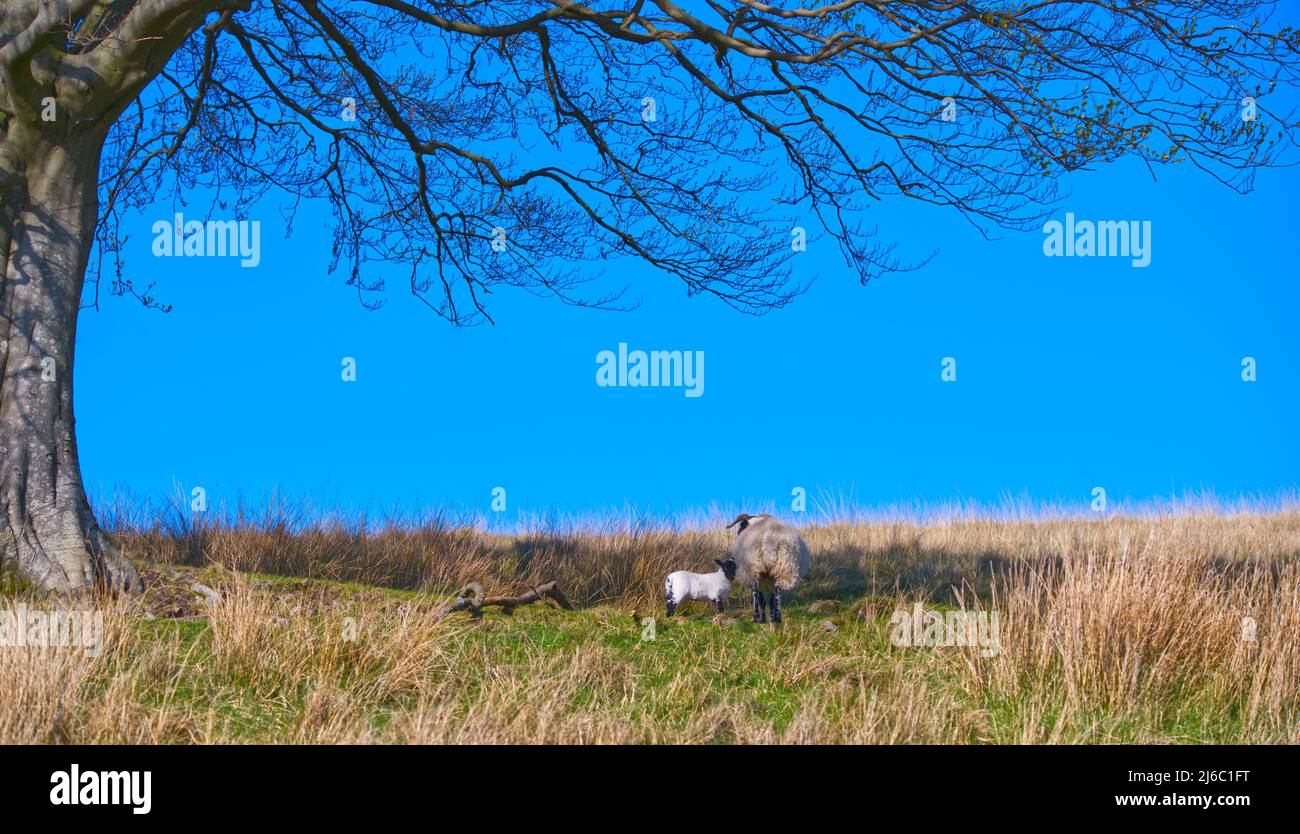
x: 471, y: 599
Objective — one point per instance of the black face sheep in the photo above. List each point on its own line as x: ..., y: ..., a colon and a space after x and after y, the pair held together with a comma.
x: 714, y: 586
x: 770, y: 557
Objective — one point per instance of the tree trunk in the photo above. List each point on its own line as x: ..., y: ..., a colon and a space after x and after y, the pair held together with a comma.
x: 48, y: 210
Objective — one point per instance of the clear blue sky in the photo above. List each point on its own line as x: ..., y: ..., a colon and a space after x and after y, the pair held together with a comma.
x: 1072, y: 373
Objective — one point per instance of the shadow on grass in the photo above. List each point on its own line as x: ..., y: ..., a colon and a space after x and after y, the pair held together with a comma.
x: 935, y: 574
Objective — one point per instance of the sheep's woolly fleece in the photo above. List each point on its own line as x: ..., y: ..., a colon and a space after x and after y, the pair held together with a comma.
x: 770, y: 553
x: 682, y: 585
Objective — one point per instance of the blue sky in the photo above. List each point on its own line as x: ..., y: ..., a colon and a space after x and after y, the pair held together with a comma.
x: 1072, y: 373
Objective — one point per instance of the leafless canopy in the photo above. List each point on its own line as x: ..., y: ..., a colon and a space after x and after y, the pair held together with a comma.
x: 693, y: 136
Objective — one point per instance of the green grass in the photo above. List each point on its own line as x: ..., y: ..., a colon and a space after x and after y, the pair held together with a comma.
x: 747, y: 665
x: 744, y: 662
x: 1123, y: 631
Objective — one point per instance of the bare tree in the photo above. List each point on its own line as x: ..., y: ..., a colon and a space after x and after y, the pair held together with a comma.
x: 474, y: 145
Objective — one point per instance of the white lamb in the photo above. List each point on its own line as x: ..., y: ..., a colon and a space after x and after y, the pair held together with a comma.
x: 771, y: 557
x: 714, y: 586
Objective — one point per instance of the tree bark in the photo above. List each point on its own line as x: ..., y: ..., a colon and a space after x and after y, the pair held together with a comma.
x: 48, y: 211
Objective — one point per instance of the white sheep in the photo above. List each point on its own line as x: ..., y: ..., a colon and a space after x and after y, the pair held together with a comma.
x: 771, y: 557
x: 716, y: 586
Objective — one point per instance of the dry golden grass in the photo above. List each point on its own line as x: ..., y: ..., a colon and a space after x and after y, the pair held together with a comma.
x: 1124, y: 629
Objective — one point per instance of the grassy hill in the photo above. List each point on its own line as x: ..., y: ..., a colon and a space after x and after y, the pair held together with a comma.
x: 1123, y: 629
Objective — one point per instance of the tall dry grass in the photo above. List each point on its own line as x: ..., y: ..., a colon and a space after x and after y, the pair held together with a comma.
x: 1112, y: 630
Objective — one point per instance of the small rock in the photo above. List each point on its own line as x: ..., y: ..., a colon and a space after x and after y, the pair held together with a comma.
x: 723, y: 621
x: 822, y: 606
x: 827, y: 625
x: 210, y: 596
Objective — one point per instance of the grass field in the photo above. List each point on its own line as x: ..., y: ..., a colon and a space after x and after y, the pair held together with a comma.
x: 1114, y: 630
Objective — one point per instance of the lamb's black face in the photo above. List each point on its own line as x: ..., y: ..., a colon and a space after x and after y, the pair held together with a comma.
x: 728, y: 568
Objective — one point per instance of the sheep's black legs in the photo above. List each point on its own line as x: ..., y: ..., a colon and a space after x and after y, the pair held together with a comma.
x: 762, y: 602
x: 722, y: 606
x: 760, y: 605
